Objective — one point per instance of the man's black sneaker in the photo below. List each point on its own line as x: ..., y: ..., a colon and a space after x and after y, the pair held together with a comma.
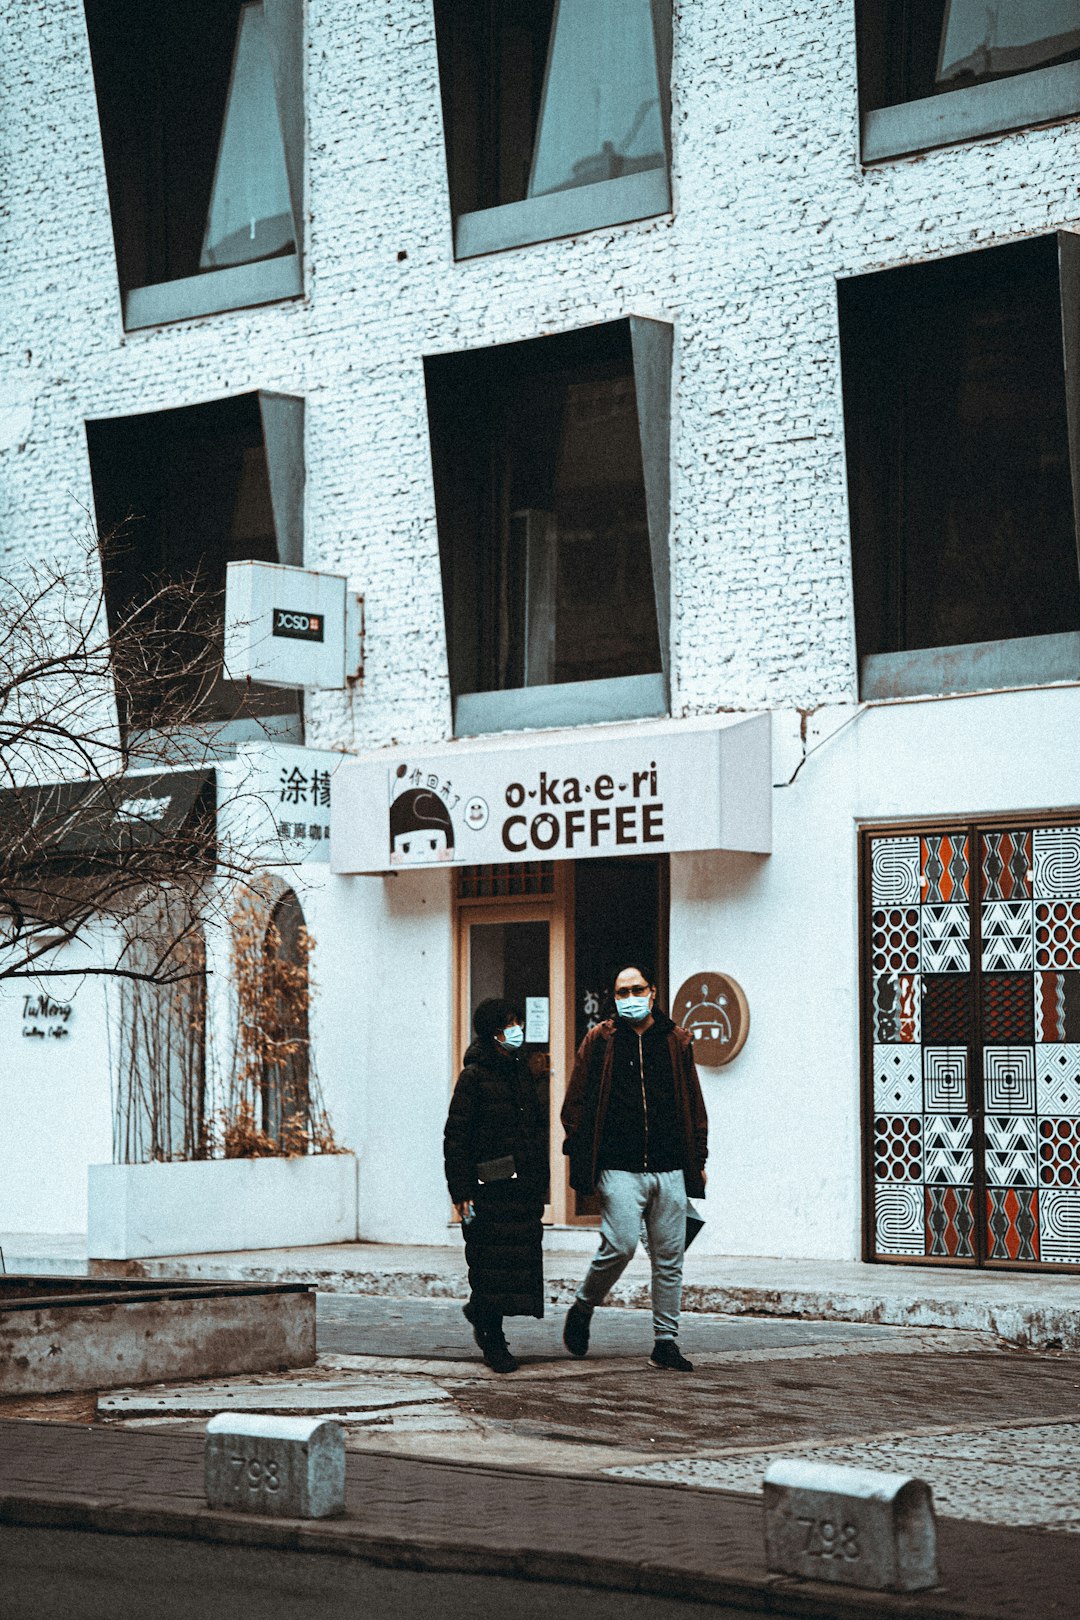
x: 497, y: 1355
x: 468, y: 1311
x: 575, y: 1334
x: 666, y: 1354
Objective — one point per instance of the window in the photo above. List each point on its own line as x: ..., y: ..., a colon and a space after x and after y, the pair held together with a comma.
x: 551, y: 485
x: 961, y: 444
x: 932, y: 72
x: 201, y: 111
x: 181, y: 493
x: 556, y: 116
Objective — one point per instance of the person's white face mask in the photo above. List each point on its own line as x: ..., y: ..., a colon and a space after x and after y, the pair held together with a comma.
x: 512, y: 1037
x: 635, y: 1009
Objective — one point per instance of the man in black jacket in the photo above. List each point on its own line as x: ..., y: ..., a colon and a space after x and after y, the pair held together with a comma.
x: 637, y: 1134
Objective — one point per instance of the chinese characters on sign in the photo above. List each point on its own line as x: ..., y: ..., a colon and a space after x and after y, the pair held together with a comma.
x: 303, y: 805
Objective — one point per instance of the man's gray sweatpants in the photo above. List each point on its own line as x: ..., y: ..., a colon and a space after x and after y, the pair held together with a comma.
x: 626, y: 1198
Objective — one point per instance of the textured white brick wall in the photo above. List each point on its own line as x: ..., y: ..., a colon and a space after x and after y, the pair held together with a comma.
x: 771, y: 207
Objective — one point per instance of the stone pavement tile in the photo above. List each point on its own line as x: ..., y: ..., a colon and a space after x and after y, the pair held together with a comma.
x: 1025, y: 1476
x: 420, y: 1514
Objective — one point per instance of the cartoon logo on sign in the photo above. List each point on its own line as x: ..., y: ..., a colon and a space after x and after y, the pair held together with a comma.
x: 714, y: 1010
x: 421, y: 830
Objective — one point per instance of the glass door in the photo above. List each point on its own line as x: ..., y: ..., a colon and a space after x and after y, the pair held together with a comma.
x: 517, y: 951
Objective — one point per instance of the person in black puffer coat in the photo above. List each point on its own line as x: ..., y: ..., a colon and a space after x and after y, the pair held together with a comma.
x: 495, y: 1114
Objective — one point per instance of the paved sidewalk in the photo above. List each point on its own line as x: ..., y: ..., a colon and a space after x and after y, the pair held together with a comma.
x: 1029, y: 1309
x: 408, y: 1513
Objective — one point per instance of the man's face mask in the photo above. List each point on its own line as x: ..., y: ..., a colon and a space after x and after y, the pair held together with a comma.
x: 512, y: 1037
x: 632, y: 1002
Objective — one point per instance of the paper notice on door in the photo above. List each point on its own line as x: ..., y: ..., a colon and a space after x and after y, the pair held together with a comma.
x: 537, y: 1020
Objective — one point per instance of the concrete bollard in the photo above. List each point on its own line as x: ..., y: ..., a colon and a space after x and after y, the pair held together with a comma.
x: 288, y: 1467
x: 850, y: 1525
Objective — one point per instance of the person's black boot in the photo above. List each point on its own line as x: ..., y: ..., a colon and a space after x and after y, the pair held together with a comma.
x: 576, y: 1332
x: 468, y: 1311
x: 666, y: 1354
x: 497, y: 1354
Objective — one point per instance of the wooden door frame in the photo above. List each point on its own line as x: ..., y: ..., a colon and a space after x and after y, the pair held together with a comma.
x: 556, y: 909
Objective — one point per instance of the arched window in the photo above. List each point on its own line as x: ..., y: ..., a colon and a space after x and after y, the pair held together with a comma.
x: 285, y: 1069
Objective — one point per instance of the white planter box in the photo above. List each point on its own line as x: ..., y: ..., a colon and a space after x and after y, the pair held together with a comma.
x: 206, y: 1206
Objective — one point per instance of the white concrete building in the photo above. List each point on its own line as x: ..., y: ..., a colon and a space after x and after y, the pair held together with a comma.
x: 660, y: 376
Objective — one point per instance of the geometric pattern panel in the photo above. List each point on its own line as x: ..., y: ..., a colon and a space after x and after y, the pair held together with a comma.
x: 894, y: 872
x: 898, y: 1147
x: 949, y: 1159
x: 1010, y: 1150
x: 945, y: 932
x: 899, y: 1220
x: 1057, y: 1079
x: 944, y: 869
x: 1057, y: 935
x: 1059, y: 1152
x: 896, y: 1008
x: 927, y: 986
x: 1006, y: 866
x: 1008, y: 1009
x: 895, y: 939
x: 944, y: 1079
x: 1006, y: 936
x: 946, y: 1009
x: 897, y: 1080
x: 1013, y: 1223
x: 1009, y: 1079
x: 1057, y: 1006
x: 950, y: 1222
x: 1059, y: 1225
x: 1057, y: 863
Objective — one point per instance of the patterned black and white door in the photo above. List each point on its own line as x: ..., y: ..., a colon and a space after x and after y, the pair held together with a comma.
x: 972, y: 1043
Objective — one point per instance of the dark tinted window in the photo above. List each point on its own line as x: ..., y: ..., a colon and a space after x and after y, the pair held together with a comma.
x: 540, y: 96
x: 910, y: 49
x: 958, y: 451
x: 543, y: 529
x: 178, y: 494
x: 192, y: 135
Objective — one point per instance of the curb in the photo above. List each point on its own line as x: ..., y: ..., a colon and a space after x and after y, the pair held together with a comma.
x: 1021, y: 1323
x: 769, y: 1594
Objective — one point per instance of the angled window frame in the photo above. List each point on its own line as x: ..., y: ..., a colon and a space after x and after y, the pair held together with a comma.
x: 1045, y: 95
x: 622, y: 697
x: 262, y: 281
x: 282, y: 420
x: 1008, y: 663
x: 624, y: 200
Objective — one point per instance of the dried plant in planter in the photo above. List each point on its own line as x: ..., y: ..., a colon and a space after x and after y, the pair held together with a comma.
x: 273, y: 1104
x: 160, y: 1030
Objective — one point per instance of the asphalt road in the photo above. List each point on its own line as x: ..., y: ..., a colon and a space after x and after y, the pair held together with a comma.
x: 75, y: 1575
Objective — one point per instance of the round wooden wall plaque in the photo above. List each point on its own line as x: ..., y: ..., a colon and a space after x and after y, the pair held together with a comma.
x: 713, y: 1007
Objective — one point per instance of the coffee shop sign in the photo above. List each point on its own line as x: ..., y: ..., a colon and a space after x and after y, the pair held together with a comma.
x: 698, y: 789
x: 44, y: 1018
x: 542, y: 814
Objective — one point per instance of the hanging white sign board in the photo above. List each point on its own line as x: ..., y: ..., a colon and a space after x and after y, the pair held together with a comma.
x: 633, y: 790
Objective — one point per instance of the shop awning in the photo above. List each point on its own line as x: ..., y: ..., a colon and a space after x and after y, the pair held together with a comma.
x: 75, y: 821
x: 647, y: 788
